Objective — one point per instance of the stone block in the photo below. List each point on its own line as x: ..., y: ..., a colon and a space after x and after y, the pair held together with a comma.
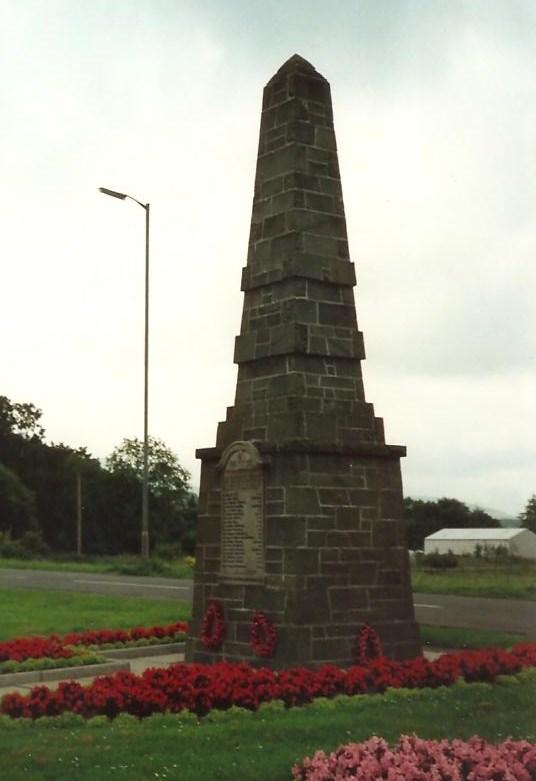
x: 335, y: 650
x: 291, y: 158
x: 319, y: 427
x: 269, y: 600
x: 317, y: 223
x: 271, y: 187
x: 325, y: 138
x: 301, y: 561
x: 291, y: 110
x: 273, y: 226
x: 336, y: 497
x: 294, y: 645
x: 302, y: 501
x: 349, y: 598
x: 337, y: 315
x: 391, y: 504
x: 308, y: 607
x: 301, y: 131
x: 385, y: 534
x: 245, y: 345
x: 310, y: 89
x: 285, y: 532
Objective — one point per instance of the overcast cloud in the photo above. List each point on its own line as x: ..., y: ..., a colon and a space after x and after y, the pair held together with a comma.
x: 435, y: 104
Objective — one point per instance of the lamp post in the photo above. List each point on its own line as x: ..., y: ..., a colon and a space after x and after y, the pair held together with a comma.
x: 145, y: 479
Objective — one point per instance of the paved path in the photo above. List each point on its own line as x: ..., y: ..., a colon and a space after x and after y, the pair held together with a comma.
x: 137, y: 665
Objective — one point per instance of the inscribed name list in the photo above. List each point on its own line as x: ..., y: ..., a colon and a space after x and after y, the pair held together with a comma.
x: 243, y: 523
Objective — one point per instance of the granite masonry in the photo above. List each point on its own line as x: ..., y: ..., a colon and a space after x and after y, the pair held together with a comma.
x: 301, y: 499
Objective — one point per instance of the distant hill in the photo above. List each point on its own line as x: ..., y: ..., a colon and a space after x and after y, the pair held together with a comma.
x: 506, y: 520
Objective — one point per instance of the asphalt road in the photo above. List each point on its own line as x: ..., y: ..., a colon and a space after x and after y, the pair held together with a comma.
x: 437, y: 609
x: 506, y: 615
x: 85, y: 582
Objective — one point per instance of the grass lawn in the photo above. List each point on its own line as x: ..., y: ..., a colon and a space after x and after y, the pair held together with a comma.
x: 453, y: 637
x: 241, y: 746
x: 233, y: 745
x: 479, y: 578
x: 27, y: 612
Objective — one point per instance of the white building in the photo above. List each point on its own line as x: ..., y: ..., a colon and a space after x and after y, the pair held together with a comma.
x: 518, y: 542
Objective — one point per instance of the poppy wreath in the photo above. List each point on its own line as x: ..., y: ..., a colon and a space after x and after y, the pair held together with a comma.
x: 213, y: 627
x: 369, y: 646
x: 263, y: 635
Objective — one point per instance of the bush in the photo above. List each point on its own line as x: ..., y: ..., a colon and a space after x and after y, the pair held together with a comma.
x: 437, y: 560
x: 152, y: 566
x: 168, y: 550
x: 30, y: 546
x: 493, y: 552
x: 188, y: 542
x: 422, y: 759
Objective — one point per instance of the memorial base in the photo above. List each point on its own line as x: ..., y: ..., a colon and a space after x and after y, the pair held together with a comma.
x: 334, y: 555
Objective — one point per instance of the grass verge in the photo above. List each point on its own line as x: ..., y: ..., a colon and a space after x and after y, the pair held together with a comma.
x: 461, y: 638
x: 28, y: 612
x: 474, y: 578
x: 122, y: 565
x: 239, y: 746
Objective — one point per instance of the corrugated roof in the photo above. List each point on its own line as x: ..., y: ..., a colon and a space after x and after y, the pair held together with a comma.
x: 475, y: 534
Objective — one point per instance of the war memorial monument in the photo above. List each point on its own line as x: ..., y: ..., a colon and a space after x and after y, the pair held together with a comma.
x: 301, y: 538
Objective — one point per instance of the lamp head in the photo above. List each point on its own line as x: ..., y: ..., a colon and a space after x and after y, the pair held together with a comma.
x: 113, y: 193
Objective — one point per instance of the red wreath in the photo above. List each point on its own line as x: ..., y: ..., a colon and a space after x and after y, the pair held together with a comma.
x: 369, y: 646
x: 213, y: 628
x: 263, y: 635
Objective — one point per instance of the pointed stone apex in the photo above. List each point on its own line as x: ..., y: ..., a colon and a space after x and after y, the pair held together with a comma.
x: 296, y: 65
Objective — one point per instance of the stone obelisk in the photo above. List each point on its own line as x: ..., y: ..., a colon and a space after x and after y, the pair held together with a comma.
x: 300, y: 520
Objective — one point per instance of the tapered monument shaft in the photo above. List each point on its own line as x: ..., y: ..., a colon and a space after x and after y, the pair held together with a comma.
x: 301, y: 499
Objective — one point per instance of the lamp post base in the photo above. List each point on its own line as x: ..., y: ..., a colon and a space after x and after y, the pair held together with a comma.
x: 145, y: 545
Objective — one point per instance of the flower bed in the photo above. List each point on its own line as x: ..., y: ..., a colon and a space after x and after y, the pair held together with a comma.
x: 140, y: 635
x: 199, y: 688
x: 81, y: 657
x: 55, y: 647
x: 421, y: 760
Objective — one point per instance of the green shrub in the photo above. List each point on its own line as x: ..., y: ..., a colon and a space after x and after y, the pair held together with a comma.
x: 168, y: 550
x: 437, y: 560
x: 152, y: 566
x: 188, y: 542
x: 29, y: 546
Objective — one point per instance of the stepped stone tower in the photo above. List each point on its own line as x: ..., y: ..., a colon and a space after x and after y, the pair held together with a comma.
x: 301, y: 500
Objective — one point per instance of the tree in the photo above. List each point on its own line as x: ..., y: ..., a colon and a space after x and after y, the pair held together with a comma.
x: 527, y: 518
x: 20, y: 419
x: 170, y: 496
x: 426, y: 517
x: 17, y: 505
x: 166, y: 477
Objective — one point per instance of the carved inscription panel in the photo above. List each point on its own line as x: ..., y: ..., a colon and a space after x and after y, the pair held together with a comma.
x: 242, y: 541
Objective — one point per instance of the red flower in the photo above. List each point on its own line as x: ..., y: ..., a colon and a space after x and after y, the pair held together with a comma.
x: 201, y: 687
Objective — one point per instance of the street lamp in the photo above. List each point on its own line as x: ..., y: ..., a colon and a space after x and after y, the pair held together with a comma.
x: 145, y: 480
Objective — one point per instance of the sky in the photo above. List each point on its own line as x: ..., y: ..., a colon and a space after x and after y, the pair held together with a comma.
x: 435, y: 108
